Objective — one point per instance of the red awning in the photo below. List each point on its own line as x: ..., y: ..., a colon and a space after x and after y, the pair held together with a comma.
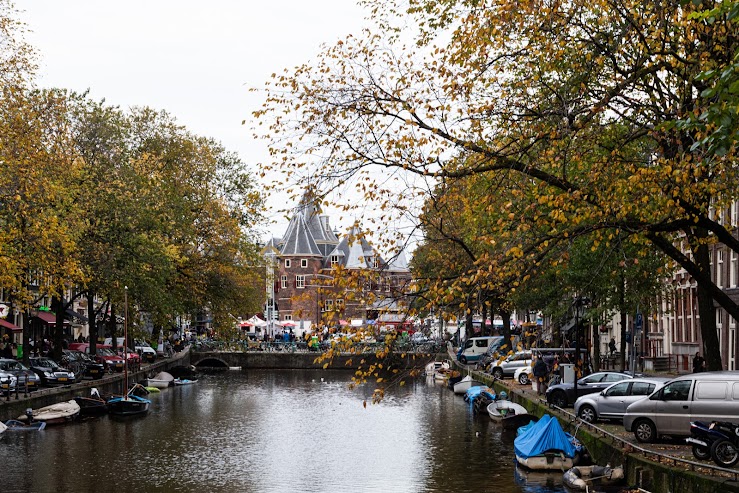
x: 47, y: 317
x: 8, y: 325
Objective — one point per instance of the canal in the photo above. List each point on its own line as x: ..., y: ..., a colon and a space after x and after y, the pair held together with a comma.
x: 275, y: 431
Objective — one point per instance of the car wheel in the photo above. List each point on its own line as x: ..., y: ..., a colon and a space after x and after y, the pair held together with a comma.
x: 587, y: 414
x: 559, y: 398
x: 463, y: 360
x: 523, y: 378
x: 701, y: 453
x: 724, y: 453
x: 645, y: 431
x: 498, y: 373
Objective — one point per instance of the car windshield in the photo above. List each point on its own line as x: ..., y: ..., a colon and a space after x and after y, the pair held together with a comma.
x: 106, y: 352
x: 46, y: 362
x: 9, y: 365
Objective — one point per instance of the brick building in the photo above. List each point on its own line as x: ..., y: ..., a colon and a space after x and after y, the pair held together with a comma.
x: 324, y: 280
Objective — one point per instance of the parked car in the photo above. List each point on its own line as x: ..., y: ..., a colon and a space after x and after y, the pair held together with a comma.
x: 103, y: 354
x: 508, y: 367
x: 140, y: 347
x: 50, y: 372
x: 7, y: 383
x: 704, y: 396
x: 611, y: 403
x: 523, y: 375
x: 25, y: 378
x: 563, y: 394
x: 82, y: 364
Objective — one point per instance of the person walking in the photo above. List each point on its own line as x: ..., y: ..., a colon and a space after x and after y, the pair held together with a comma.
x: 699, y: 363
x: 612, y: 346
x: 541, y: 371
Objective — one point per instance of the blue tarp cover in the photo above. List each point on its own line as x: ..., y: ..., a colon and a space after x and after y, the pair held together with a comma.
x: 546, y: 434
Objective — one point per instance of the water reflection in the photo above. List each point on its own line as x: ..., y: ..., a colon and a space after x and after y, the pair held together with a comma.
x: 296, y: 431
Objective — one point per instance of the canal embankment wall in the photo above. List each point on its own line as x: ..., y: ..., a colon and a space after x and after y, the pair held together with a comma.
x: 16, y: 404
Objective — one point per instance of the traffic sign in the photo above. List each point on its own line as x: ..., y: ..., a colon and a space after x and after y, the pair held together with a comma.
x: 638, y: 321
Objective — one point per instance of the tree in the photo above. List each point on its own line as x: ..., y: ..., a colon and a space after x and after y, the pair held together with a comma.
x: 580, y: 99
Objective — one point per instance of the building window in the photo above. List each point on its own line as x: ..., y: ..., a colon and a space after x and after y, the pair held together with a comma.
x: 339, y: 303
x: 283, y: 282
x: 287, y: 263
x: 733, y: 269
x: 720, y: 268
x: 300, y: 282
x: 288, y: 317
x: 328, y: 305
x: 304, y: 262
x: 334, y: 260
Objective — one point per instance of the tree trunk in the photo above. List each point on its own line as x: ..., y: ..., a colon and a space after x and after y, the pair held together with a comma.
x: 57, y: 305
x: 506, y: 325
x: 711, y: 350
x: 92, y: 322
x: 622, y: 310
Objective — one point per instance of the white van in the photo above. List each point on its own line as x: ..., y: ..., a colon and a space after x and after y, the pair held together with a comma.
x: 705, y: 396
x: 475, y: 347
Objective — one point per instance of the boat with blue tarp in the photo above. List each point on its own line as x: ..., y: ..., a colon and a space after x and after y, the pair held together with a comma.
x: 543, y: 445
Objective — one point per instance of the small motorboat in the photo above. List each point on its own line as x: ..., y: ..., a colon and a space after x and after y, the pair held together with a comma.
x: 465, y: 384
x: 435, y: 366
x: 59, y: 413
x: 584, y: 477
x: 92, y: 406
x: 509, y: 414
x: 15, y: 425
x: 445, y: 374
x: 185, y: 381
x: 161, y: 380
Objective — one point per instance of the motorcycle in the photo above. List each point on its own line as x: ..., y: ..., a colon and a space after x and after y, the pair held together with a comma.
x: 718, y: 440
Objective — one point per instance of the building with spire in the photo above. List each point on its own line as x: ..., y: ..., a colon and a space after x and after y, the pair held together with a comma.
x: 326, y: 281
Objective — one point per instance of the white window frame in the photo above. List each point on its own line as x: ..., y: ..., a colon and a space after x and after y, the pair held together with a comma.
x: 733, y: 261
x: 328, y: 305
x: 283, y: 282
x: 720, y: 268
x: 287, y: 263
x: 304, y: 263
x: 300, y: 281
x: 334, y: 260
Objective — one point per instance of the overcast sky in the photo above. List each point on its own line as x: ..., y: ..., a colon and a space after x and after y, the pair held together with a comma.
x: 194, y: 58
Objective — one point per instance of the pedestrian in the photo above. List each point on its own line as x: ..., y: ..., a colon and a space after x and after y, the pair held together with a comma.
x: 541, y: 371
x: 612, y: 346
x: 699, y: 364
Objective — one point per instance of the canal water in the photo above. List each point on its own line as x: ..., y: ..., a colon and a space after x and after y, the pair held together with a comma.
x: 276, y: 431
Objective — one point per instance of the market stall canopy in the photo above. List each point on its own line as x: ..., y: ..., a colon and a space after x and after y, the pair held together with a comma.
x: 257, y: 322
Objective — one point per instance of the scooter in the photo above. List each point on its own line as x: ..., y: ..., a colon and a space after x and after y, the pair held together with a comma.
x: 701, y: 438
x: 718, y: 440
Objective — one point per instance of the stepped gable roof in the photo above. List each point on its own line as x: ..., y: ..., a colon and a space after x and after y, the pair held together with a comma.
x: 298, y: 240
x: 398, y: 263
x: 354, y: 250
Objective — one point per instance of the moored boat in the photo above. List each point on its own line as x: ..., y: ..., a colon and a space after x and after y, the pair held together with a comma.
x: 185, y: 381
x: 545, y: 446
x: 15, y: 425
x: 161, y: 380
x: 435, y: 366
x: 58, y: 413
x: 584, y: 477
x: 128, y: 405
x: 509, y: 414
x: 465, y: 384
x: 92, y: 406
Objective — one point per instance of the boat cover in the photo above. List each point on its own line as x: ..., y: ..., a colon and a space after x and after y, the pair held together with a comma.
x: 473, y: 392
x: 544, y: 435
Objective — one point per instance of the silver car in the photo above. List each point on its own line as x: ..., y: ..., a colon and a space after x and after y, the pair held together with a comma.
x: 7, y: 382
x: 26, y: 380
x: 611, y: 403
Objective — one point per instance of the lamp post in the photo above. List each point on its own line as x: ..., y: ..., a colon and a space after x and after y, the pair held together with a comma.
x: 578, y: 303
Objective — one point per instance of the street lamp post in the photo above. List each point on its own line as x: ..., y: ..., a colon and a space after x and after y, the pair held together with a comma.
x: 578, y: 303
